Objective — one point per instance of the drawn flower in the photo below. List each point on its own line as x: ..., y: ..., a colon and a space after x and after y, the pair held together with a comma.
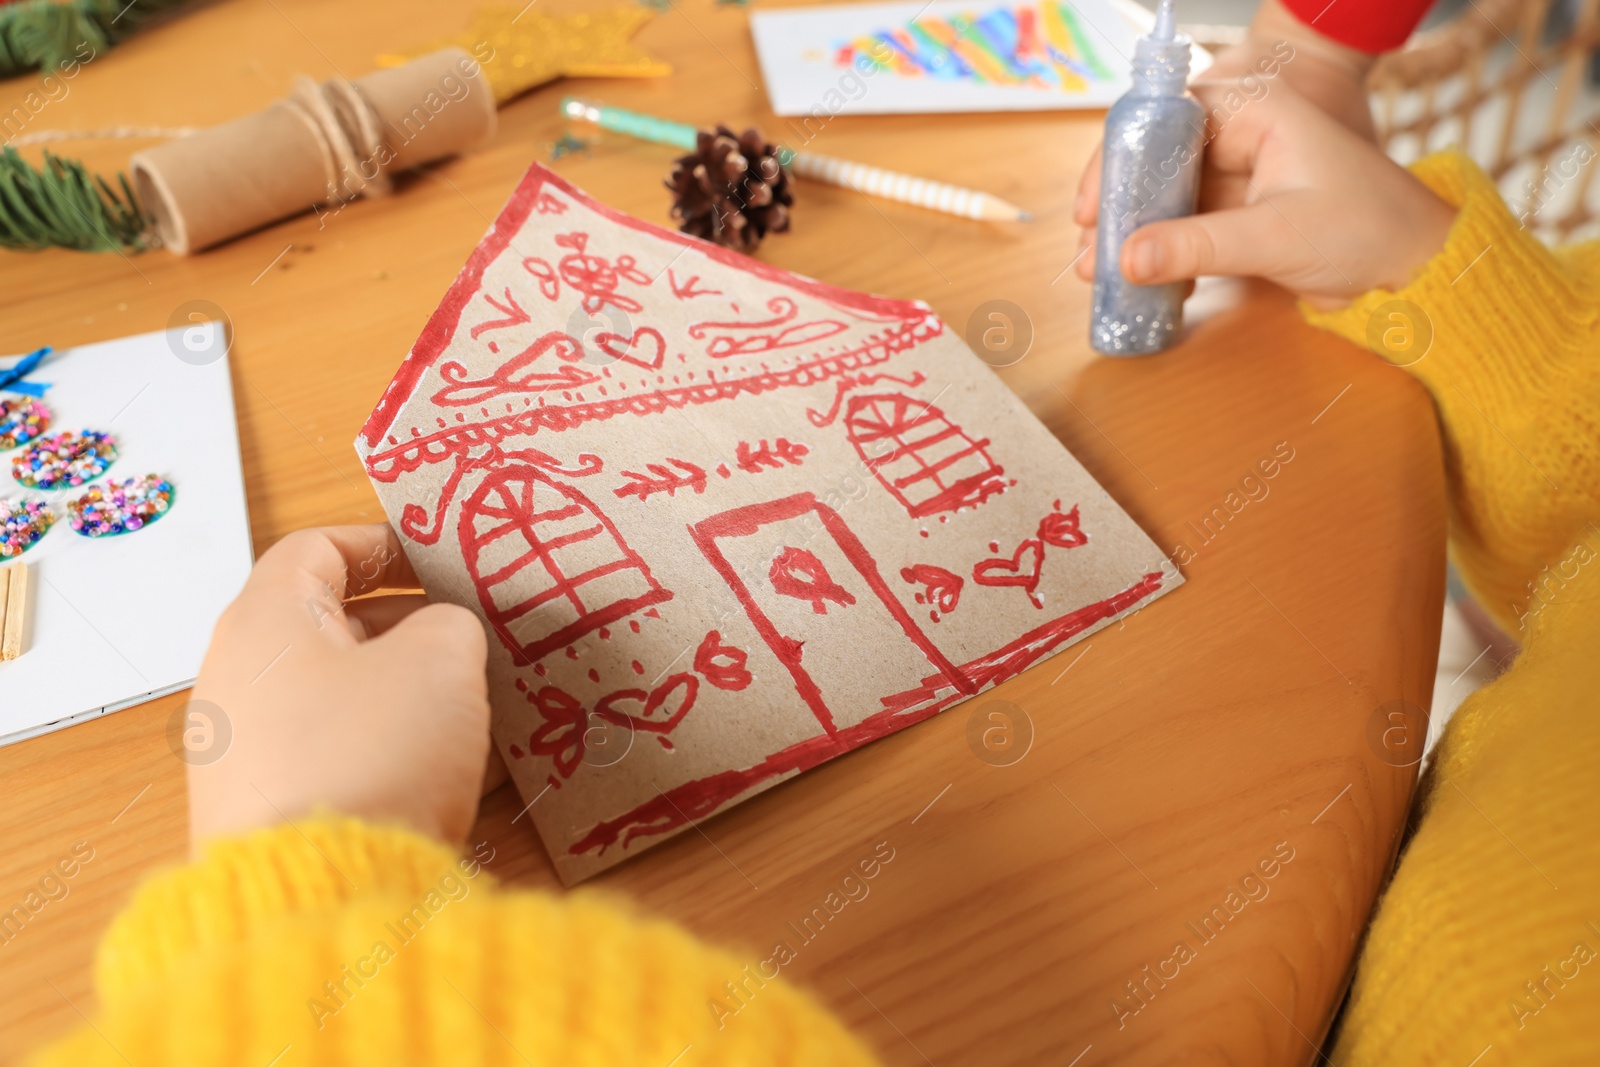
x: 561, y: 735
x: 722, y: 665
x: 1060, y: 530
x: 941, y: 588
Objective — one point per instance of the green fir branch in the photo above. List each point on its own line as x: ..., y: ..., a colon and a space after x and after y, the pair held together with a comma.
x: 46, y: 35
x: 62, y: 206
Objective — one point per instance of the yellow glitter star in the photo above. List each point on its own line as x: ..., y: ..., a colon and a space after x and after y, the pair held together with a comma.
x: 529, y: 49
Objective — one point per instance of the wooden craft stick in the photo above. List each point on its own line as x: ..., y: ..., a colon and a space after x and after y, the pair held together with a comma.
x: 15, y: 611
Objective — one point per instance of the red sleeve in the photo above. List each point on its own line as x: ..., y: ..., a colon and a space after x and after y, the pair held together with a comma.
x: 1372, y: 26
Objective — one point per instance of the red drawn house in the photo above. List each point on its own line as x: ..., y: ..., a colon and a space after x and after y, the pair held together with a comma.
x: 688, y: 494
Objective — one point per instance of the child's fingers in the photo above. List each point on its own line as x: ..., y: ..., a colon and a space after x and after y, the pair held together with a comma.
x: 1083, y: 266
x: 1087, y: 207
x: 1236, y: 139
x: 1220, y: 190
x: 371, y: 617
x: 351, y: 560
x: 443, y: 633
x: 1244, y: 241
x: 373, y: 558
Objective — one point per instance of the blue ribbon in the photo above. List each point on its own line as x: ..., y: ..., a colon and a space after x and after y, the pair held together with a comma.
x: 13, y: 379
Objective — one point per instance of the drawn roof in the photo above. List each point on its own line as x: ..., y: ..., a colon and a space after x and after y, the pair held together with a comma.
x: 569, y: 312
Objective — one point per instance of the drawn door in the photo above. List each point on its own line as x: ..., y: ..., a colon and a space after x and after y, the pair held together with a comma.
x: 812, y: 591
x: 548, y: 565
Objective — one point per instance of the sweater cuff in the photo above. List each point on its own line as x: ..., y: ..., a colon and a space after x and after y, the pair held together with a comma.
x: 243, y: 884
x: 1494, y: 306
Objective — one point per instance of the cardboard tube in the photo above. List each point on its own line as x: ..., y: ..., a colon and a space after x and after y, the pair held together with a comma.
x: 323, y: 144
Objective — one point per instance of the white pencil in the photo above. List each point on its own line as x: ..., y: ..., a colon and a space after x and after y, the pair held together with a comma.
x: 906, y: 188
x: 872, y: 181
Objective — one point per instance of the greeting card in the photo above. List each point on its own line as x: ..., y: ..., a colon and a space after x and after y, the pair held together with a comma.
x: 722, y: 522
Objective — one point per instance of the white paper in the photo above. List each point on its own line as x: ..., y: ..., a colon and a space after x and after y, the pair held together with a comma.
x: 807, y: 75
x: 113, y: 621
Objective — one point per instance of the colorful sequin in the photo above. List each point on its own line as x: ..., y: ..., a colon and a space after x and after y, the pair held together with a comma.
x: 22, y: 523
x: 64, y: 460
x: 115, y: 507
x: 21, y: 421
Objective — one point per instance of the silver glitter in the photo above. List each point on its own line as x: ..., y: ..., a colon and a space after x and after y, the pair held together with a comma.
x: 1150, y: 170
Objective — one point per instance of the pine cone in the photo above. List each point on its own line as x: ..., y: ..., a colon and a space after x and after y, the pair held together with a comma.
x: 731, y: 190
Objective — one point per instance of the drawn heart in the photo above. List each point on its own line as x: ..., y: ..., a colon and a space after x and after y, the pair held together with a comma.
x: 1013, y: 571
x: 627, y: 348
x: 654, y: 701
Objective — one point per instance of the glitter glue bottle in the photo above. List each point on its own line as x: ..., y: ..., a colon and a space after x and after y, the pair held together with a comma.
x: 1150, y: 170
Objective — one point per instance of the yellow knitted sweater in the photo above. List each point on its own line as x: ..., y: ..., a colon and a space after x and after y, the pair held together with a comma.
x: 1487, y: 942
x: 340, y: 943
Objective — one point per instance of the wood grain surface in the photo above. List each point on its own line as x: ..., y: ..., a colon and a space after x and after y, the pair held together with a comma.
x: 1227, y: 726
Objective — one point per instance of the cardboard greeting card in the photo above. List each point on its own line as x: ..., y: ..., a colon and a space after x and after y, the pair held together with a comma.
x: 722, y: 522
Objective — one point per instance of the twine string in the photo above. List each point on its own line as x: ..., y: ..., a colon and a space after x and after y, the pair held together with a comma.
x: 346, y: 131
x: 109, y: 133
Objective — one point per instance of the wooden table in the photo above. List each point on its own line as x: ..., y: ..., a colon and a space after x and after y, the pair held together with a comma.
x: 1170, y: 756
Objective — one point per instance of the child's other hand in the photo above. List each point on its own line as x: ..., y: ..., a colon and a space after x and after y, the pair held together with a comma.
x: 375, y: 707
x: 1310, y: 205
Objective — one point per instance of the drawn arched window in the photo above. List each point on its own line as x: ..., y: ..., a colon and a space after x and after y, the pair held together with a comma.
x: 926, y: 461
x: 548, y: 565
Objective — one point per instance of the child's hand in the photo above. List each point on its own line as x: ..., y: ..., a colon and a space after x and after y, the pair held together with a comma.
x: 1309, y: 205
x: 1330, y: 75
x: 375, y: 707
x: 1278, y: 49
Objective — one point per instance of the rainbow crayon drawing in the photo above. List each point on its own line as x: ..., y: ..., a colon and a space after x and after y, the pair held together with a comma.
x: 1044, y: 45
x: 944, y: 56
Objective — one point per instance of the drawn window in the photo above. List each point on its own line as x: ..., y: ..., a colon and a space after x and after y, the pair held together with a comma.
x: 547, y: 563
x: 926, y: 461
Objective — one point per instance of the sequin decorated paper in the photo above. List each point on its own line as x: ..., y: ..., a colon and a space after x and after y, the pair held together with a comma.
x: 22, y: 523
x: 21, y: 421
x: 64, y: 460
x: 114, y: 507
